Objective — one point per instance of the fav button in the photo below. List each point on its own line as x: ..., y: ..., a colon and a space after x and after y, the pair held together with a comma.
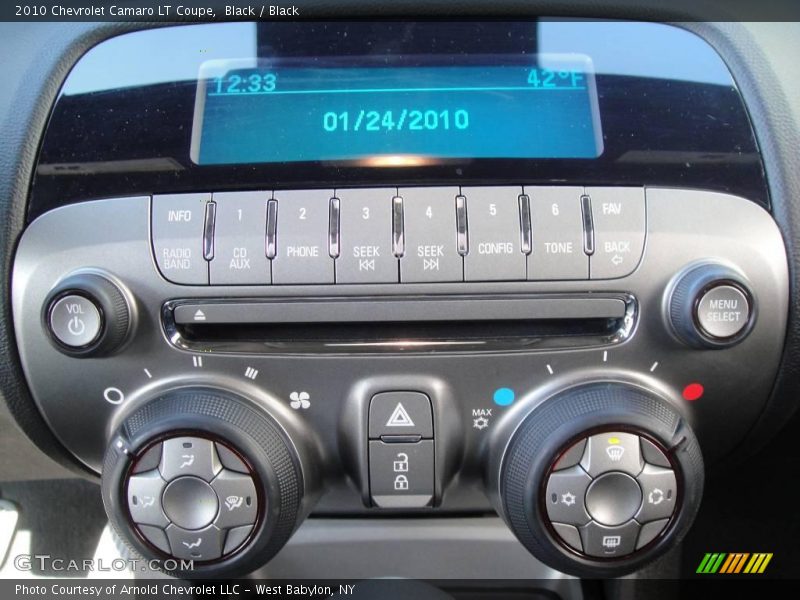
x: 75, y: 321
x: 618, y: 215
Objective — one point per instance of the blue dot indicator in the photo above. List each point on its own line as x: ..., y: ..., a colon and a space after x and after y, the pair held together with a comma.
x: 504, y: 396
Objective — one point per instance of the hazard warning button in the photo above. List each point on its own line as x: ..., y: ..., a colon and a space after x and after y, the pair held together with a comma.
x: 400, y: 414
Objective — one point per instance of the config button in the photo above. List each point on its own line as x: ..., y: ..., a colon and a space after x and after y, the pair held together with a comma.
x: 75, y: 321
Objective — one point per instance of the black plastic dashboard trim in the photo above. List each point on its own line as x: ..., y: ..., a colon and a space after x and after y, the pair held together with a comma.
x: 48, y: 63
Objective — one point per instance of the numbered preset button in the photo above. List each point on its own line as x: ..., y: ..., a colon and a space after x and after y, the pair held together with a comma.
x: 239, y: 229
x: 557, y: 234
x: 365, y: 236
x: 494, y: 252
x: 302, y: 253
x: 430, y: 236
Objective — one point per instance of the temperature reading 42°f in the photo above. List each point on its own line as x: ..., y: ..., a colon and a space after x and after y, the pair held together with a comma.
x: 548, y: 78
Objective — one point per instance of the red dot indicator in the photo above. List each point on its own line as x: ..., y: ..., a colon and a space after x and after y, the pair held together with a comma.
x: 692, y: 392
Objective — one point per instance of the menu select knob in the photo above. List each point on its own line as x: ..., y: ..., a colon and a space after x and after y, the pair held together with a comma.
x: 87, y: 314
x: 711, y: 306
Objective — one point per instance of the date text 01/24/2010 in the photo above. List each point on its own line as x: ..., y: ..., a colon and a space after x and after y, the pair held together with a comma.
x: 399, y: 120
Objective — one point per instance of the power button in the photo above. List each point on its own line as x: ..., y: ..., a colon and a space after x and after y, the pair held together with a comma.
x: 75, y: 321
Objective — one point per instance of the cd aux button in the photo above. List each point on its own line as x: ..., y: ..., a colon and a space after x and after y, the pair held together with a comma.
x: 365, y: 236
x: 493, y: 222
x: 302, y: 238
x: 430, y: 244
x: 557, y: 234
x: 239, y: 254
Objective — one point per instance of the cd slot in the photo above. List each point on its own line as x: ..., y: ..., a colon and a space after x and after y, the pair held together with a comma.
x: 423, y: 324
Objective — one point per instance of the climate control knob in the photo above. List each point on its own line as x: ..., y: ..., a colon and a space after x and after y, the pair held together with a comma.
x: 203, y: 475
x: 599, y: 479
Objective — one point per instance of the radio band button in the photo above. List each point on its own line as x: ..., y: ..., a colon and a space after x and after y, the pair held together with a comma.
x: 178, y: 232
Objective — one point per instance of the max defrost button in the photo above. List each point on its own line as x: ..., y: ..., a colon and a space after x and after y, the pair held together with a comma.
x: 178, y: 226
x: 239, y: 229
x: 495, y: 252
x: 302, y: 237
x: 431, y: 250
x: 365, y: 237
x: 75, y: 321
x: 613, y: 451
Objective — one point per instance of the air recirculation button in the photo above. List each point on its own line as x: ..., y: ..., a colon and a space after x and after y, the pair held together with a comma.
x: 604, y: 499
x: 193, y: 498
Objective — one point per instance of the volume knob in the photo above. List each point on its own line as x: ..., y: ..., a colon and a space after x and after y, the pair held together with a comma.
x: 86, y: 315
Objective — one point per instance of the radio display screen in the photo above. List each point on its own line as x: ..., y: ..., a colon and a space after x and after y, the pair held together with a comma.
x: 385, y: 115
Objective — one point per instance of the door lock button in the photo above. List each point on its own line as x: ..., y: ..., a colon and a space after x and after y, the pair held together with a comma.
x: 401, y: 475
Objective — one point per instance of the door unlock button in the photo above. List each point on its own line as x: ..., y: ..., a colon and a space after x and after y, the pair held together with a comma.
x: 400, y: 474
